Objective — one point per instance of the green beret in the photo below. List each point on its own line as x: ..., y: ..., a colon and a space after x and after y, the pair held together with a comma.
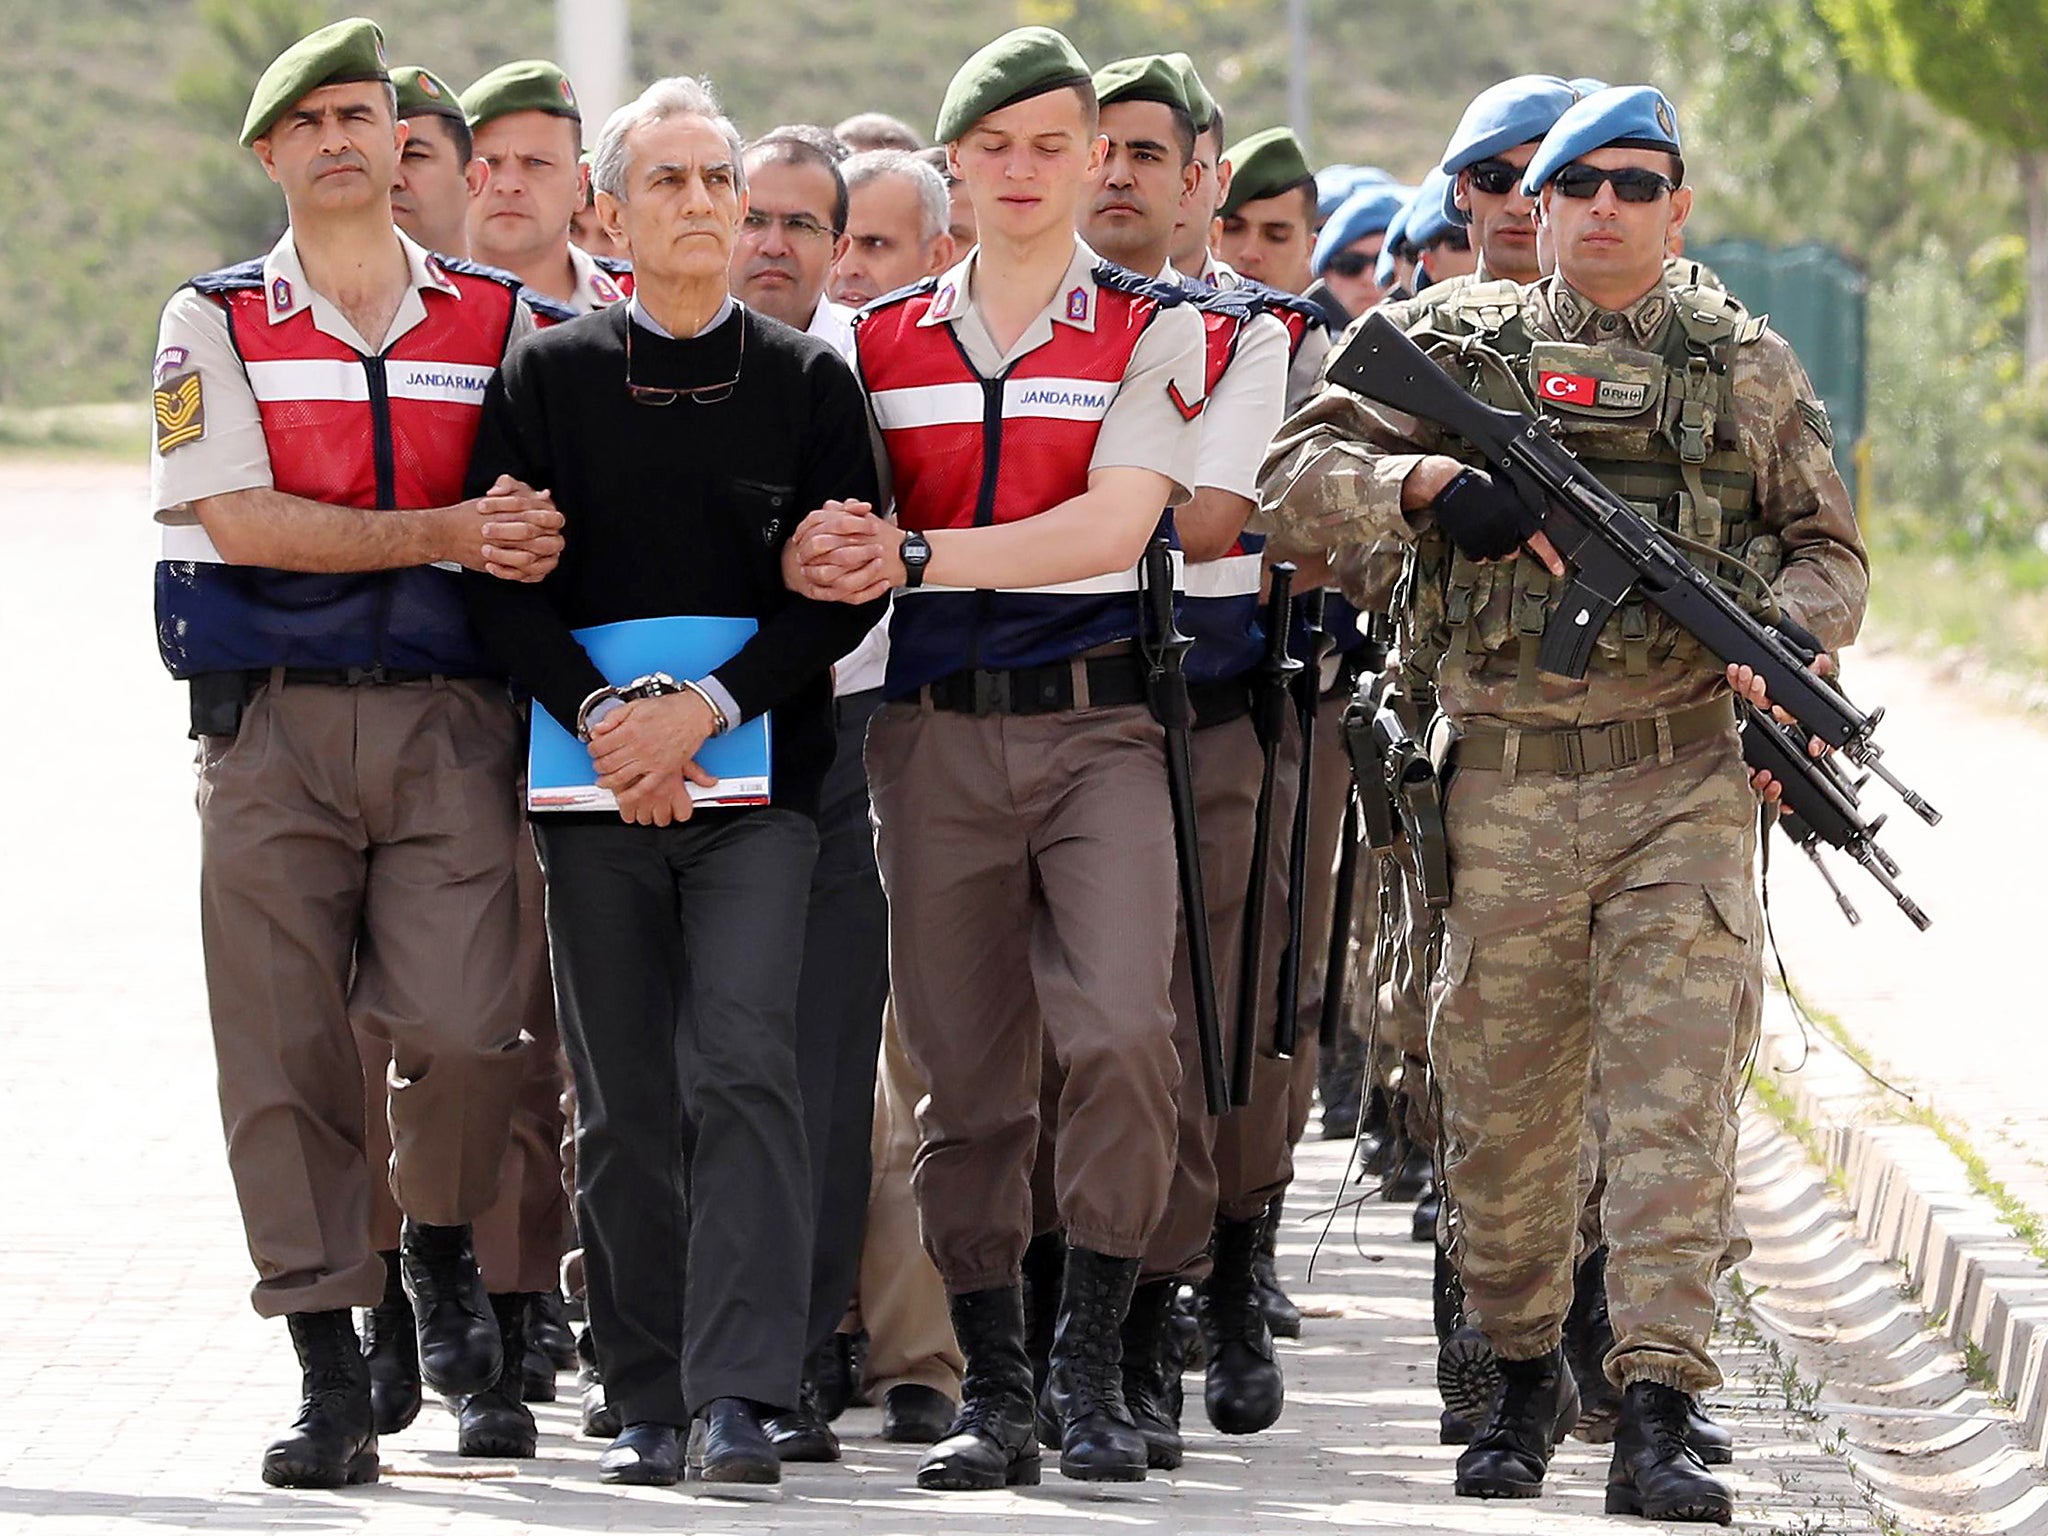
x: 1148, y: 77
x: 1015, y: 67
x: 335, y: 55
x: 530, y: 85
x: 421, y: 90
x: 1264, y: 165
x: 1201, y: 105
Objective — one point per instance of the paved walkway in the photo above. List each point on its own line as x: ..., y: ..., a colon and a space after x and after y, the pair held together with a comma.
x: 143, y: 1388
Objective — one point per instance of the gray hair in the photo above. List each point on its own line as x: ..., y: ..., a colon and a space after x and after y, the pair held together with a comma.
x: 674, y: 96
x: 934, y: 206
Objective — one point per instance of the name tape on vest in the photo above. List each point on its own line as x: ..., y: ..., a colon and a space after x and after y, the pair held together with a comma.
x: 1583, y: 389
x: 939, y: 405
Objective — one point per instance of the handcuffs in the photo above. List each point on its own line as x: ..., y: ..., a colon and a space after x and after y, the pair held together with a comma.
x: 652, y: 685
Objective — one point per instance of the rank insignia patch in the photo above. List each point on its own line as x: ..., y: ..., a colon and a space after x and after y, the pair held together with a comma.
x: 1077, y: 305
x: 180, y: 412
x: 1187, y: 412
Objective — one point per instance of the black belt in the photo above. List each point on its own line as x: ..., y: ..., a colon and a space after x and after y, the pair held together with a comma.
x: 342, y: 677
x: 1099, y: 682
x: 1220, y: 700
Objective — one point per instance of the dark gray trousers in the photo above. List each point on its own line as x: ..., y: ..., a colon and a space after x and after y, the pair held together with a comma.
x: 839, y: 1018
x: 676, y: 954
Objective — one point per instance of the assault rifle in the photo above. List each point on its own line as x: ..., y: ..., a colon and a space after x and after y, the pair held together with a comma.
x: 1613, y: 550
x: 1821, y: 805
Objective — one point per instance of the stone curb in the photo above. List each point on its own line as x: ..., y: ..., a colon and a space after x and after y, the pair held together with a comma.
x: 1913, y: 1203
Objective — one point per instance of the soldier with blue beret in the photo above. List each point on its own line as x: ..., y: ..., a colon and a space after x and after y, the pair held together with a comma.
x: 1348, y: 248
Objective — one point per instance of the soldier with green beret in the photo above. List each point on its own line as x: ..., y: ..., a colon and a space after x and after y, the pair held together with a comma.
x: 1039, y: 408
x: 1269, y: 210
x: 439, y: 175
x: 529, y: 133
x: 314, y: 409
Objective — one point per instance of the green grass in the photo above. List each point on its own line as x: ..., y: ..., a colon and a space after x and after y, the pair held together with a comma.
x: 1993, y: 604
x: 119, y: 431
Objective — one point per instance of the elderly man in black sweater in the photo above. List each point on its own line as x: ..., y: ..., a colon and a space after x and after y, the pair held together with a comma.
x: 683, y: 438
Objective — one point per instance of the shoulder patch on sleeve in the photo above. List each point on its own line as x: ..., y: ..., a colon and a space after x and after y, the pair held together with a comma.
x: 180, y: 409
x: 1815, y: 415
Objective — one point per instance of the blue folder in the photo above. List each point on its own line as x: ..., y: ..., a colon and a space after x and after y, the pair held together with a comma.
x: 559, y: 773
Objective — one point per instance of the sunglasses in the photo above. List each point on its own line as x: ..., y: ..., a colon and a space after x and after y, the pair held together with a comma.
x: 702, y: 394
x: 1632, y: 184
x: 1496, y: 178
x: 1353, y: 263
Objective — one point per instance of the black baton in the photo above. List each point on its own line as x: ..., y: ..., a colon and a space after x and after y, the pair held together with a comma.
x: 1166, y: 690
x: 1270, y: 696
x: 1307, y: 685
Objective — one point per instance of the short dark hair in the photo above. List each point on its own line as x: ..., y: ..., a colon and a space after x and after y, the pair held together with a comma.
x: 1216, y: 127
x: 877, y: 130
x: 807, y: 144
x: 459, y: 137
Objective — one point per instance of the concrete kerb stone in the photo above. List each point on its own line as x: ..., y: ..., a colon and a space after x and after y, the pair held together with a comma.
x: 1914, y: 1204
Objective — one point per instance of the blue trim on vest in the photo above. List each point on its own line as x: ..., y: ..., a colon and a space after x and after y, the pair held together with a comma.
x: 243, y: 274
x: 534, y: 299
x: 901, y: 295
x: 1108, y: 274
x: 617, y: 266
x: 1025, y: 629
x: 1229, y: 632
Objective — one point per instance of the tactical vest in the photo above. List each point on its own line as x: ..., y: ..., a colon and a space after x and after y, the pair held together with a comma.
x: 968, y: 451
x: 1659, y: 428
x: 387, y: 431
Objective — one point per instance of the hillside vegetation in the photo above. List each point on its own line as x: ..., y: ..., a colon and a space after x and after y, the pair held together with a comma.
x: 121, y: 175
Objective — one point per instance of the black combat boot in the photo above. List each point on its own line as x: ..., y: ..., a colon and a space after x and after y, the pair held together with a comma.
x: 1429, y: 1206
x: 801, y: 1433
x: 1588, y: 1336
x: 1457, y: 1426
x: 1708, y: 1437
x: 1283, y: 1317
x: 391, y: 1345
x: 537, y: 1371
x: 1655, y: 1472
x: 1537, y: 1406
x: 1467, y: 1377
x: 1242, y: 1388
x: 1045, y: 1272
x: 333, y: 1441
x: 992, y: 1443
x: 1098, y: 1441
x: 1374, y: 1122
x: 1405, y: 1164
x: 496, y: 1421
x: 547, y: 1326
x: 460, y: 1347
x: 1152, y: 1365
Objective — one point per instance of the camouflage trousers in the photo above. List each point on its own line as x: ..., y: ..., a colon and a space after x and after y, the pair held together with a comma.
x: 1609, y: 916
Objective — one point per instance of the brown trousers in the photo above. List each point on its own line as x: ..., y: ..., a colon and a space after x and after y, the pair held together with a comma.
x: 358, y: 848
x: 902, y: 1299
x: 521, y: 1238
x: 1029, y: 866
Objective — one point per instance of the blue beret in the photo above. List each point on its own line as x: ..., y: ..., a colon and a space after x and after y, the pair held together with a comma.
x: 1622, y: 116
x: 1517, y: 111
x: 1424, y: 219
x: 1367, y: 211
x: 1334, y: 183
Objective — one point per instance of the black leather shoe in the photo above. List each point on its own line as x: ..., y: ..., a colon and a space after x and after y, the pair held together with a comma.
x: 1467, y: 1374
x: 333, y: 1441
x: 1537, y: 1406
x: 650, y: 1455
x: 1098, y: 1441
x: 599, y: 1419
x: 391, y: 1345
x: 548, y: 1327
x: 829, y: 1371
x: 1708, y: 1437
x: 993, y: 1441
x: 1428, y: 1207
x: 460, y: 1348
x: 1152, y: 1373
x: 1283, y: 1317
x: 916, y: 1415
x: 1655, y: 1473
x: 497, y: 1422
x: 537, y: 1373
x: 729, y: 1447
x: 1588, y: 1336
x: 801, y: 1433
x: 1242, y: 1388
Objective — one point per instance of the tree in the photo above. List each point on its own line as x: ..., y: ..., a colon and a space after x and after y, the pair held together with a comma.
x: 1986, y: 63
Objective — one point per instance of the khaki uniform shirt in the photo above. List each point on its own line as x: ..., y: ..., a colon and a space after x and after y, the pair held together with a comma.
x: 1333, y: 483
x: 595, y: 288
x: 230, y: 454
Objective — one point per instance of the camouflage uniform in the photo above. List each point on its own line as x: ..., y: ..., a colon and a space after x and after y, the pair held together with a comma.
x: 1609, y: 911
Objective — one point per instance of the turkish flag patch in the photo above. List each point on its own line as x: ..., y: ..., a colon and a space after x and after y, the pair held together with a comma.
x: 1187, y: 412
x: 1571, y: 388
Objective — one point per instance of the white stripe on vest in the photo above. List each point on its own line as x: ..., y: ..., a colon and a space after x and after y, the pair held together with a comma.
x: 1087, y: 586
x: 1230, y: 576
x: 939, y: 405
x: 335, y: 378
